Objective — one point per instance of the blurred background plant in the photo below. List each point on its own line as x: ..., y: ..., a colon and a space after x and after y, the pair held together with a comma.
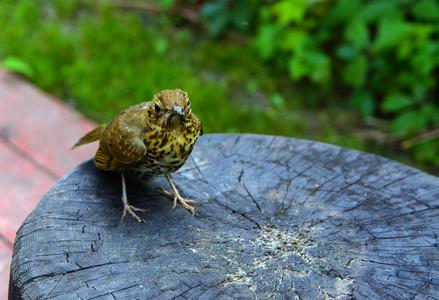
x: 356, y: 73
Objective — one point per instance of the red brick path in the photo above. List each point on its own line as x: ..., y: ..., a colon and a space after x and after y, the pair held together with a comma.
x: 36, y: 133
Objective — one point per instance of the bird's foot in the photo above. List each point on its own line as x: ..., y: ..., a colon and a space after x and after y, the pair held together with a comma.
x: 127, y: 208
x: 175, y: 195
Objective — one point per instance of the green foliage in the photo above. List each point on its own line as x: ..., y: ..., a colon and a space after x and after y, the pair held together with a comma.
x: 385, y: 52
x: 101, y: 61
x: 379, y: 57
x: 383, y: 55
x: 223, y: 14
x: 17, y: 65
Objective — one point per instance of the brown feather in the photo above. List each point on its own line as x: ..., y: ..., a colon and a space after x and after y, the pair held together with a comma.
x: 92, y: 136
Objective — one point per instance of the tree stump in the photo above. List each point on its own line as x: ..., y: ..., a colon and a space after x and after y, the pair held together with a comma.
x: 278, y: 218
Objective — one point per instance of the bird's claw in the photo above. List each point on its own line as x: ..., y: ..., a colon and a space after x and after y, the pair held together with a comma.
x: 176, y: 197
x: 130, y: 209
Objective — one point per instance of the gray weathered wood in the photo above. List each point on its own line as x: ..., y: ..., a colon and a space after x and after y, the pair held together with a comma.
x: 278, y: 217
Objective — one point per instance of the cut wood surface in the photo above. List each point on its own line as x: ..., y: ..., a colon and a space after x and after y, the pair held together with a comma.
x: 278, y: 217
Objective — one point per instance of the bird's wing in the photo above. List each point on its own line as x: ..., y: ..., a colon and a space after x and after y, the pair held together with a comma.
x: 126, y: 148
x: 121, y: 143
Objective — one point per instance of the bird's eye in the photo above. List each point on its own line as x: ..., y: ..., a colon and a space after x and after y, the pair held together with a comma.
x: 188, y: 103
x: 157, y: 108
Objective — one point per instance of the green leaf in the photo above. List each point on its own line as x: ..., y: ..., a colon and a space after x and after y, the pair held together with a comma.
x: 293, y: 37
x: 358, y: 33
x: 288, y: 11
x: 265, y: 41
x: 321, y: 65
x: 427, y: 152
x: 241, y: 15
x: 211, y: 9
x: 167, y: 3
x: 310, y: 62
x: 343, y: 11
x: 390, y: 33
x: 346, y: 52
x: 427, y: 10
x: 355, y: 72
x: 377, y: 10
x: 431, y: 113
x: 419, y: 90
x: 418, y: 41
x: 409, y: 121
x: 218, y: 17
x: 218, y: 24
x: 425, y: 60
x: 364, y: 102
x: 277, y: 100
x: 396, y: 102
x: 297, y: 68
x: 17, y: 65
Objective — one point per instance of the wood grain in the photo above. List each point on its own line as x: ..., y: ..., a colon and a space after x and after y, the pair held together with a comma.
x: 278, y: 218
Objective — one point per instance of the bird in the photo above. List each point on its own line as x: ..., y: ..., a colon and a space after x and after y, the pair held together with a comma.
x: 150, y: 138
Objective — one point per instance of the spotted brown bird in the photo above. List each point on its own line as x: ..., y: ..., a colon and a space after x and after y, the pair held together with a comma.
x: 150, y: 138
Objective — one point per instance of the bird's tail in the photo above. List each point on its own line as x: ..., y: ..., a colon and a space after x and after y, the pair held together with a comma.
x: 92, y: 136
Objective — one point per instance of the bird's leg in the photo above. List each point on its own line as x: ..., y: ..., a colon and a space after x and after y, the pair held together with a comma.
x: 127, y: 208
x: 175, y: 195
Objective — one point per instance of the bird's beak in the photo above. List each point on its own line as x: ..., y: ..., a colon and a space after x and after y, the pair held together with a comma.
x: 176, y: 110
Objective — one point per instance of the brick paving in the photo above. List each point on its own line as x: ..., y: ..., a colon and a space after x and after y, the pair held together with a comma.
x: 36, y: 133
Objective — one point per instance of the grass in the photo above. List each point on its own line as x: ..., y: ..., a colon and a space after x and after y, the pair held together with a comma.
x: 101, y: 60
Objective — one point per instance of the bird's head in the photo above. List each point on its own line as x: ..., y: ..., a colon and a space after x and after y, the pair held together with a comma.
x: 171, y: 107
